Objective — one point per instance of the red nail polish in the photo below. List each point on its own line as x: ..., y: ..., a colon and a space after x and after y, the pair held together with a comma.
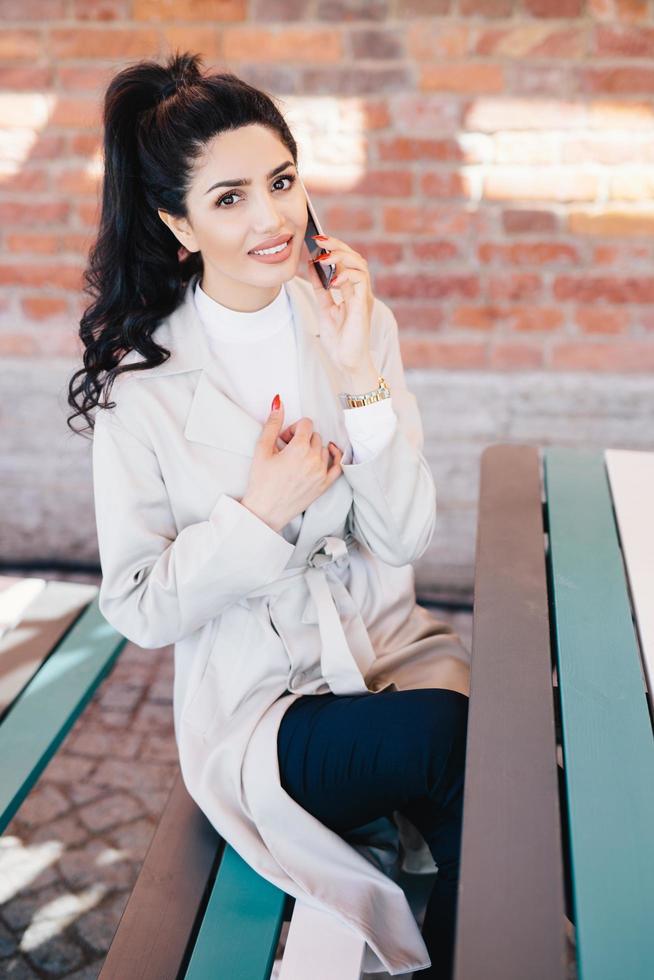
x: 275, y: 403
x: 320, y: 238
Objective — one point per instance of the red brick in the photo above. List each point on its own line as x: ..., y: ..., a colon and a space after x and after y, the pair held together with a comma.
x: 212, y: 11
x: 504, y: 355
x: 77, y: 181
x: 85, y: 78
x: 48, y: 146
x: 622, y: 253
x: 622, y: 114
x: 611, y: 220
x: 378, y: 43
x: 35, y: 244
x: 377, y: 115
x: 385, y: 253
x: 25, y: 77
x: 590, y: 319
x: 19, y: 45
x: 634, y: 184
x: 630, y: 42
x: 605, y: 289
x: 205, y: 40
x: 515, y: 286
x: 485, y: 8
x: 347, y: 218
x: 413, y: 219
x: 528, y: 253
x: 289, y: 45
x: 20, y: 213
x: 617, y: 79
x: 55, y: 276
x: 416, y: 114
x: 101, y: 10
x: 631, y: 356
x: 477, y: 317
x: 417, y: 148
x: 510, y: 112
x: 427, y: 41
x: 347, y: 10
x: 43, y: 307
x: 76, y: 113
x: 469, y: 76
x: 423, y: 286
x: 26, y: 179
x: 554, y: 8
x: 18, y: 345
x: 537, y: 81
x: 422, y: 353
x: 386, y: 183
x: 103, y: 42
x: 608, y: 149
x: 34, y: 10
x: 88, y: 213
x: 532, y: 40
x: 534, y: 319
x: 447, y: 183
x: 418, y: 316
x: 519, y: 221
x: 626, y: 10
x: 440, y: 251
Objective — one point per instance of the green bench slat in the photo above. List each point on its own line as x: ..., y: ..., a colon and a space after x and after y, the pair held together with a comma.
x: 511, y: 915
x: 241, y: 925
x: 47, y: 707
x: 608, y: 746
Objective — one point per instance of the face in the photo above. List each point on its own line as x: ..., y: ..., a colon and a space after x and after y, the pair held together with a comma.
x: 226, y: 223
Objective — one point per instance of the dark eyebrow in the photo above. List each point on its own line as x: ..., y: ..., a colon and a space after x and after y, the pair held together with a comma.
x: 242, y: 182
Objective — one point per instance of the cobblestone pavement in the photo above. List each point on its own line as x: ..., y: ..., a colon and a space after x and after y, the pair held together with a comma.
x: 71, y: 855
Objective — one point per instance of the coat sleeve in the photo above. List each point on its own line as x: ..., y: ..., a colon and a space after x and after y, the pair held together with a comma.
x: 394, y: 496
x: 369, y: 428
x: 159, y: 585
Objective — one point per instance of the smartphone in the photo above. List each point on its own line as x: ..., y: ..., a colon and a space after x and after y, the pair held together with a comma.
x: 326, y: 272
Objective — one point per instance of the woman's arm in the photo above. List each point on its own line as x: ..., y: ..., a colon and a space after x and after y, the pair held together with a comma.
x: 158, y: 586
x: 394, y: 506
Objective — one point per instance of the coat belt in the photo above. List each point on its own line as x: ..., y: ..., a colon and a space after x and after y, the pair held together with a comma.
x: 343, y: 672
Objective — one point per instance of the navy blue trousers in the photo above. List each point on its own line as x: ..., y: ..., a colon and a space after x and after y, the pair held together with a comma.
x: 350, y: 759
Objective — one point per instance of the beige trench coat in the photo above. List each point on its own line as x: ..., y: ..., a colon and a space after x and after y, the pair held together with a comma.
x: 256, y: 620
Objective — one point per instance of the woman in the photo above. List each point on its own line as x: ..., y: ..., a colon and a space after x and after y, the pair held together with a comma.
x: 311, y: 695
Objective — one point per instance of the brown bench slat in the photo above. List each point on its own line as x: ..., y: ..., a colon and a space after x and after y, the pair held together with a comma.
x: 511, y: 914
x: 159, y: 923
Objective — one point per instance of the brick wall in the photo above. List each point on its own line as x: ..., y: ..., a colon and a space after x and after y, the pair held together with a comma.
x: 492, y: 159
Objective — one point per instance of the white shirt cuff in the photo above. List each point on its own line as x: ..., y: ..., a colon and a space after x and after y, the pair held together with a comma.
x: 370, y: 428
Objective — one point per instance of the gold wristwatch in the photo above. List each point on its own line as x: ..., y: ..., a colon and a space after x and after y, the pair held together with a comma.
x: 368, y: 397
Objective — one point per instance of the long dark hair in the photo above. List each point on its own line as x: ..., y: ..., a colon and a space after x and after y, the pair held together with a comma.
x: 157, y: 120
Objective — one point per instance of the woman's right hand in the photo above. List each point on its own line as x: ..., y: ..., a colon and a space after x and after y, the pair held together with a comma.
x: 282, y: 483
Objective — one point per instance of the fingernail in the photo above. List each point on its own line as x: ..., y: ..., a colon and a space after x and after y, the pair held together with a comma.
x: 320, y: 238
x: 276, y: 402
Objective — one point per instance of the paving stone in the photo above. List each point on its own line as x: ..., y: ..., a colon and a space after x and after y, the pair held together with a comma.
x: 162, y: 747
x: 97, y: 927
x: 102, y: 743
x: 17, y: 968
x: 126, y: 672
x: 120, y: 697
x: 56, y: 956
x: 67, y: 768
x: 20, y: 911
x: 161, y: 691
x: 26, y: 868
x: 44, y: 803
x: 90, y: 972
x: 154, y: 800
x: 133, y: 838
x: 96, y: 863
x: 80, y: 793
x: 68, y: 830
x: 7, y: 942
x: 109, y: 811
x: 153, y: 717
x: 121, y: 774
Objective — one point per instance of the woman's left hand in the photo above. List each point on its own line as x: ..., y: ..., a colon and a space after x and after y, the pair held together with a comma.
x: 345, y: 326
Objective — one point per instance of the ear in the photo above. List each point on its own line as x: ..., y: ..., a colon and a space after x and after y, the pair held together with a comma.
x: 180, y: 229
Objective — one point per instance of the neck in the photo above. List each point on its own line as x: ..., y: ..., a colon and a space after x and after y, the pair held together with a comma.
x: 242, y: 297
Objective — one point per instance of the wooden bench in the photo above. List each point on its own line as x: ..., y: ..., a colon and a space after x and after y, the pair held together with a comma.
x: 197, y: 909
x: 562, y: 650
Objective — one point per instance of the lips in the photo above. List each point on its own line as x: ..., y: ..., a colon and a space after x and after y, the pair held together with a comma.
x: 271, y: 243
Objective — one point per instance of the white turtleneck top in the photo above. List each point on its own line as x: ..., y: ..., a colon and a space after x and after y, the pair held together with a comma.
x: 259, y: 355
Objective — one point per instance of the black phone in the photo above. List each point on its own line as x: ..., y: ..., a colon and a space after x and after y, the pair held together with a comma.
x: 326, y: 272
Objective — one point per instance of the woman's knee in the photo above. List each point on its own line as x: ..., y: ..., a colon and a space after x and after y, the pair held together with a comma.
x: 444, y: 724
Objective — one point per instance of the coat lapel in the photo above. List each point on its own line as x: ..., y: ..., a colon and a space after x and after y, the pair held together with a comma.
x: 216, y: 420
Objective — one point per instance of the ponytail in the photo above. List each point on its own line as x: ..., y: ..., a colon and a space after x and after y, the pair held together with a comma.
x: 156, y: 121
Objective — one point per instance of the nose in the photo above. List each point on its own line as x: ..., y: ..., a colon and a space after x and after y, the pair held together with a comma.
x: 268, y: 219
